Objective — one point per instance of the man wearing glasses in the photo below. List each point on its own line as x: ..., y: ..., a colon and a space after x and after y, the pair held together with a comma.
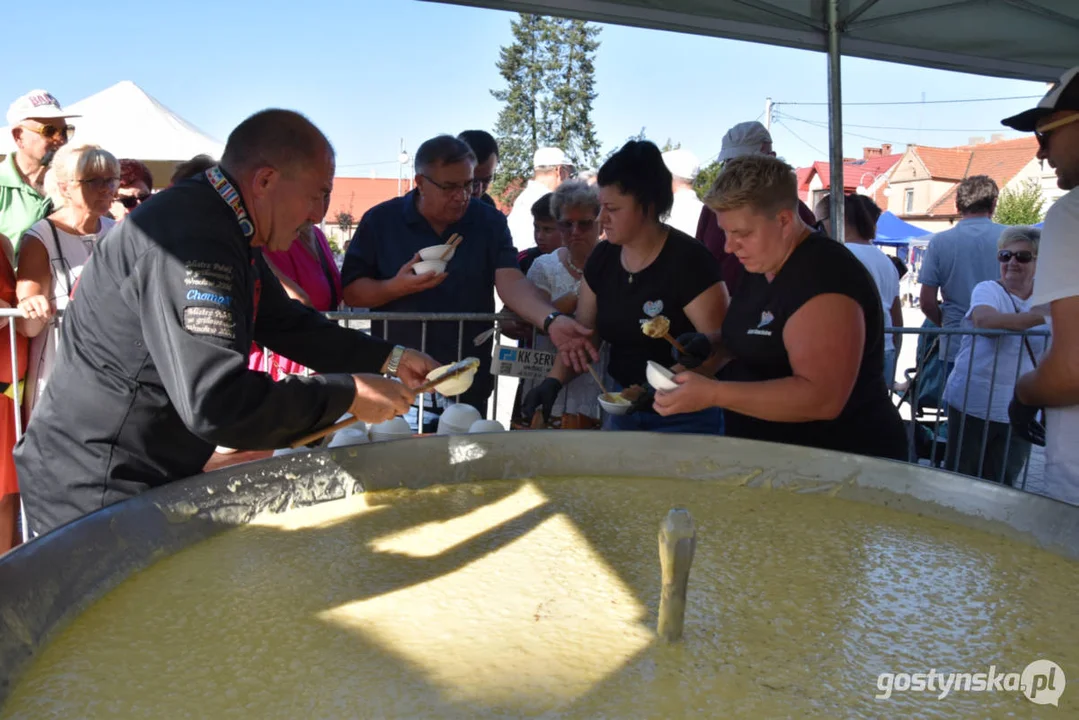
x: 1054, y: 384
x: 39, y: 128
x: 378, y: 269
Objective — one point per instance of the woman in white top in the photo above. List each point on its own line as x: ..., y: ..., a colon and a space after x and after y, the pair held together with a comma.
x: 983, y: 381
x: 575, y: 207
x: 860, y: 220
x: 82, y: 182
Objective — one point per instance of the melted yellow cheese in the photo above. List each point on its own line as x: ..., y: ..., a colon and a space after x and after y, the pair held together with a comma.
x: 512, y: 599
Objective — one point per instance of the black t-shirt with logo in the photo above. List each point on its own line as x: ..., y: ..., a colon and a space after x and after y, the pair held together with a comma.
x: 683, y: 270
x: 753, y: 332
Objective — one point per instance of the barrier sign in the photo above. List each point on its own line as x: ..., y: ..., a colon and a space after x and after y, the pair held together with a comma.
x: 522, y: 362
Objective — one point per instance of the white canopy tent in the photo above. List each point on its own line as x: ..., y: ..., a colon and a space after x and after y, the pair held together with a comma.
x: 1023, y: 39
x: 130, y: 123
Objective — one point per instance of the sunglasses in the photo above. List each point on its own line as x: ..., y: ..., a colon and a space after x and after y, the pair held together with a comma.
x: 1043, y: 133
x: 49, y: 132
x: 582, y: 225
x: 132, y: 201
x: 1021, y: 256
x: 111, y: 184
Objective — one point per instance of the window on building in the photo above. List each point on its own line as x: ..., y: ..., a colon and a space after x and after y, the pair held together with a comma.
x: 909, y: 200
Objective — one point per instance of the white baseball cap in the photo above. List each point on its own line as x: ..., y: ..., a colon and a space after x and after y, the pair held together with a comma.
x: 36, y: 104
x: 744, y: 139
x: 549, y: 157
x: 682, y: 163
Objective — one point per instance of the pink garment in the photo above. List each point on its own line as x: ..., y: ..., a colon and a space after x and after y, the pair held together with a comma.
x: 300, y: 266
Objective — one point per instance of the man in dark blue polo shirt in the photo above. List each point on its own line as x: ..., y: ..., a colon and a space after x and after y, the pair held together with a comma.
x: 378, y: 274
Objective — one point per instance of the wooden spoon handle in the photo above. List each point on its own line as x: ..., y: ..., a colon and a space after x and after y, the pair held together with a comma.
x: 677, y: 345
x: 319, y: 434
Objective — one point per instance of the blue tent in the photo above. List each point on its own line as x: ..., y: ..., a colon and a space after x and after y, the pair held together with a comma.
x: 893, y: 231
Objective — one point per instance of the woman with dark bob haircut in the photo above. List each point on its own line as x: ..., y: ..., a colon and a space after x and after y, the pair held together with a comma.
x: 642, y: 270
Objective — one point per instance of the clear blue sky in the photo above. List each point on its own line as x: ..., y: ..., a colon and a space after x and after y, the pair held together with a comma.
x: 370, y: 72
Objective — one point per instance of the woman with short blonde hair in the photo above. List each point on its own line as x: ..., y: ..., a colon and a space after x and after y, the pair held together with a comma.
x: 803, y: 339
x: 82, y: 183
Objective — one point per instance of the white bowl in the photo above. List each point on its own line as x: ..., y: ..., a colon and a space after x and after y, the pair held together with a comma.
x: 615, y: 408
x: 660, y: 377
x: 390, y: 430
x: 349, y: 436
x: 487, y: 426
x: 454, y: 386
x: 456, y: 419
x: 435, y: 253
x: 424, y: 267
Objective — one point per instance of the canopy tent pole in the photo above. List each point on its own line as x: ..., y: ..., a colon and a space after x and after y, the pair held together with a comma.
x: 835, y: 121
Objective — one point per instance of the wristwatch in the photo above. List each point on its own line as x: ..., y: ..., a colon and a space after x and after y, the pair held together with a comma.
x: 395, y: 360
x: 550, y: 319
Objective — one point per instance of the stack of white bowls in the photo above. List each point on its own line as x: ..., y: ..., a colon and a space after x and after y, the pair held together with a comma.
x: 355, y: 434
x: 431, y: 260
x: 390, y: 430
x: 457, y: 419
x: 486, y: 426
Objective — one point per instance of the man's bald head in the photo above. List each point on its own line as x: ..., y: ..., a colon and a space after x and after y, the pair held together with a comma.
x: 280, y: 139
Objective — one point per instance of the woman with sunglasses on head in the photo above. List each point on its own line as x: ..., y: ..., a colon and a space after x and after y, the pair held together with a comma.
x: 980, y: 387
x: 643, y: 269
x: 136, y: 182
x: 82, y: 183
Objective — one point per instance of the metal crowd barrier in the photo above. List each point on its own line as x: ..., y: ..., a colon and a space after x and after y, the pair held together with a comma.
x: 920, y: 416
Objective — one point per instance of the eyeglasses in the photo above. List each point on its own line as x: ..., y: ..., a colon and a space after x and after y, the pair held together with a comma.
x: 582, y: 225
x: 132, y: 201
x: 1043, y: 133
x: 49, y: 132
x: 112, y: 184
x: 1021, y: 256
x: 450, y: 189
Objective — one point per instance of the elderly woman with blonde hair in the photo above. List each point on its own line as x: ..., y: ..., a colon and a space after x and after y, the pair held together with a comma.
x: 981, y: 442
x: 82, y: 183
x: 803, y: 338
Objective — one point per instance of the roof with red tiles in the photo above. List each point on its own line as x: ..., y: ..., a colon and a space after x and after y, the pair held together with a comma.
x: 1001, y: 161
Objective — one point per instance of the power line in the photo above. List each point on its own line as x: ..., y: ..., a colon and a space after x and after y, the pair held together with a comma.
x: 921, y: 102
x: 799, y: 137
x: 911, y: 129
x: 824, y: 126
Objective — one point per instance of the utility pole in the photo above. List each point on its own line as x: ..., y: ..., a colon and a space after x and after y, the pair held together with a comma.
x: 768, y: 114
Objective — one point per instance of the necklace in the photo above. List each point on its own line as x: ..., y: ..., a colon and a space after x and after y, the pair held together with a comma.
x: 651, y: 258
x: 574, y: 268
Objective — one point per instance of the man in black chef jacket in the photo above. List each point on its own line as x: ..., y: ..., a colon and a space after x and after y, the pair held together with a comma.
x: 151, y: 372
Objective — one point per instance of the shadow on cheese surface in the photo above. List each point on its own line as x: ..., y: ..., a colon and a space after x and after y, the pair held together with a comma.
x: 538, y: 597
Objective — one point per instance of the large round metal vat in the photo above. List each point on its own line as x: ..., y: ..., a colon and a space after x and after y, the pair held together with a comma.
x: 53, y: 579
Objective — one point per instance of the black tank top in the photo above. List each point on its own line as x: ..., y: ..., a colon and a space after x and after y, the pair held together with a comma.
x: 753, y: 332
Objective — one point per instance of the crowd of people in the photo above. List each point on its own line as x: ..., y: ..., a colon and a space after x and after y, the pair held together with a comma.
x: 193, y: 313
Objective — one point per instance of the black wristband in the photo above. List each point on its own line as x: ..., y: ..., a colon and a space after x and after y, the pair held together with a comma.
x: 550, y: 319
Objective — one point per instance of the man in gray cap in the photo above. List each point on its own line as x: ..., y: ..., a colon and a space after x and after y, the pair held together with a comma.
x: 1054, y: 383
x: 747, y: 138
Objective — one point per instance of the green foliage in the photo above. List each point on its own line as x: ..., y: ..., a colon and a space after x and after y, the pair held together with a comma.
x: 549, y: 76
x: 344, y: 222
x: 706, y: 177
x: 1022, y: 206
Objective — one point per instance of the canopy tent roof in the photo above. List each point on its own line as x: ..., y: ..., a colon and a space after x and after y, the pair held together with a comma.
x: 890, y: 227
x: 1024, y: 39
x: 130, y: 123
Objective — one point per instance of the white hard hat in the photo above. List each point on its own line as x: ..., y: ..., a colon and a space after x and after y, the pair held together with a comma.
x: 682, y: 163
x: 549, y: 157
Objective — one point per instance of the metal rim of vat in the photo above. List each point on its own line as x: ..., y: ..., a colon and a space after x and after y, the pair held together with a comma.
x: 50, y: 580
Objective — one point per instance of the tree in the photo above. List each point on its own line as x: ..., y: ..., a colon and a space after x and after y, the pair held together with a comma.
x: 344, y: 222
x: 547, y: 99
x: 706, y: 177
x: 1021, y: 206
x: 571, y: 48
